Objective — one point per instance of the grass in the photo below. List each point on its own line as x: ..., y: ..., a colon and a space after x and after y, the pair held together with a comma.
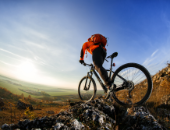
x: 13, y: 88
x: 66, y: 92
x: 16, y: 87
x: 55, y: 94
x: 13, y: 115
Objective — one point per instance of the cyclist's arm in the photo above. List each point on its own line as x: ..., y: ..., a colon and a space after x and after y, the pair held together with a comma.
x: 83, y: 51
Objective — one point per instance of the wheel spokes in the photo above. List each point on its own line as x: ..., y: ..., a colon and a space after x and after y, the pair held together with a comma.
x: 86, y: 90
x: 136, y: 88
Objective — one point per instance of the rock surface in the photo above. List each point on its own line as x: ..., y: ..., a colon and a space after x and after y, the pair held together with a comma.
x: 139, y: 118
x: 94, y: 115
x: 166, y: 100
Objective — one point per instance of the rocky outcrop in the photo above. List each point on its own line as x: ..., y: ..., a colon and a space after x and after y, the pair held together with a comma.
x: 165, y: 100
x: 139, y: 118
x: 94, y: 115
x: 163, y: 111
x: 161, y: 86
x: 22, y: 105
x: 161, y: 75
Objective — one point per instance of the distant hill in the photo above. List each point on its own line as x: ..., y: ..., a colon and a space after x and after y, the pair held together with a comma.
x: 6, y: 94
x: 35, y: 90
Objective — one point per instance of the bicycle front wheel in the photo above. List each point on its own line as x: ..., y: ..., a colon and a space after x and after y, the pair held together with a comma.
x: 87, y: 88
x: 137, y: 84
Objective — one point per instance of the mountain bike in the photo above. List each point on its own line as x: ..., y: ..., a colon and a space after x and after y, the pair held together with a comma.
x: 131, y: 84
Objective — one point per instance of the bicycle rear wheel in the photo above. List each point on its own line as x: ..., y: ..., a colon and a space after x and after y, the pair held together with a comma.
x: 87, y: 88
x: 138, y: 87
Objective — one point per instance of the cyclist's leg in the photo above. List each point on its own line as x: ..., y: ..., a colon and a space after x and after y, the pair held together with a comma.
x: 98, y: 57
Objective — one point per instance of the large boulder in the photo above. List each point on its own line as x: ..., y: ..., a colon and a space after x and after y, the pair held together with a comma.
x: 22, y: 105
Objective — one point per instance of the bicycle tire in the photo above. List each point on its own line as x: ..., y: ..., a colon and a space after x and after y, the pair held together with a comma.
x: 94, y: 90
x: 147, y: 81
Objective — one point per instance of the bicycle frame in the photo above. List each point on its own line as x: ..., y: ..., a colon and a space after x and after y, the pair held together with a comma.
x: 98, y: 78
x: 89, y: 74
x: 123, y: 78
x: 92, y: 70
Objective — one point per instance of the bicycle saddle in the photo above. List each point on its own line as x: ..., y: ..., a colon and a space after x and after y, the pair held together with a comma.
x: 113, y: 55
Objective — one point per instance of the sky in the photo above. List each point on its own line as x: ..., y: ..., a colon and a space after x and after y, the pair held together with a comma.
x: 40, y: 40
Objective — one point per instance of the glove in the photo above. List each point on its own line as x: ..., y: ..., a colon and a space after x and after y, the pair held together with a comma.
x: 81, y: 61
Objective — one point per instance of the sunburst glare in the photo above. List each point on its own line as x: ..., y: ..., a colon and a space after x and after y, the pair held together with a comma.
x: 26, y: 70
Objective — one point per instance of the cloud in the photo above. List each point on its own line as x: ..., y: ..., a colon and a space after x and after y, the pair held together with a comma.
x: 11, y: 53
x: 55, y: 57
x: 157, y: 60
x: 154, y: 53
x: 33, y: 44
x: 11, y: 65
x: 54, y: 48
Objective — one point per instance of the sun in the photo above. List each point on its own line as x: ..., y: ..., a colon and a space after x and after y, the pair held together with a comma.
x: 26, y: 70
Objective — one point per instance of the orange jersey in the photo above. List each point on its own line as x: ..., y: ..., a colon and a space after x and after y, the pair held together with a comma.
x: 89, y: 46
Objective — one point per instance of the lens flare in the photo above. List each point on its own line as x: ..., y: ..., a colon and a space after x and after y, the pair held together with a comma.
x: 26, y: 70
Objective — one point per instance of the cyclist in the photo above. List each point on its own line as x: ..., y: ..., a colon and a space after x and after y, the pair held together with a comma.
x: 96, y: 46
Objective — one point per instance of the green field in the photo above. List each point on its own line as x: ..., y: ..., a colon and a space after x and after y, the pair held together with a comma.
x: 16, y: 87
x: 38, y: 91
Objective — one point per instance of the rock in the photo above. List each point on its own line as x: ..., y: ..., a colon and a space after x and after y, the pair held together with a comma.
x: 5, y: 127
x: 22, y: 105
x: 140, y: 119
x: 1, y: 102
x: 157, y: 81
x: 164, y: 112
x: 169, y: 71
x: 72, y: 104
x: 58, y: 126
x: 165, y: 100
x: 77, y: 125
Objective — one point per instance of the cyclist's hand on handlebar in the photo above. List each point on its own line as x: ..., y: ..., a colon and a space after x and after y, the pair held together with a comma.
x: 81, y: 61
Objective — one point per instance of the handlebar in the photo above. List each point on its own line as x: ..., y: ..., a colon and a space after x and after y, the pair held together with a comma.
x: 87, y: 64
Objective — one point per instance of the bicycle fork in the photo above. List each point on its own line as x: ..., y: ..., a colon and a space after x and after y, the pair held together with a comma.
x: 89, y: 74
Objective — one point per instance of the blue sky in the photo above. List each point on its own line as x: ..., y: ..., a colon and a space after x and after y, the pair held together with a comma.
x: 40, y: 41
